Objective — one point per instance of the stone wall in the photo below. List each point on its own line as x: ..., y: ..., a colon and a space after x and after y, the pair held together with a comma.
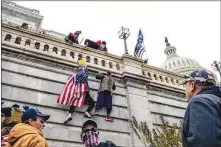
x: 35, y: 76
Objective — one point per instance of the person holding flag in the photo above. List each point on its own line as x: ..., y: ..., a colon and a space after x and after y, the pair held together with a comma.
x: 76, y: 92
x: 139, y: 48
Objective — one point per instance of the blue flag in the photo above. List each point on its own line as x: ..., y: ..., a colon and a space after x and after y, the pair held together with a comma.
x: 139, y: 48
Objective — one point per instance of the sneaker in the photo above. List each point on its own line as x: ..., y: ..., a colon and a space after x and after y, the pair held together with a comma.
x: 109, y: 118
x: 67, y: 120
x: 87, y: 114
x: 95, y: 113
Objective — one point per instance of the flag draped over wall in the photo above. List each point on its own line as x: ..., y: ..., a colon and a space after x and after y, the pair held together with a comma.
x: 139, y: 48
x: 74, y: 92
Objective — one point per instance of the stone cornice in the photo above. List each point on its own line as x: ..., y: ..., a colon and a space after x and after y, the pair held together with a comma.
x: 126, y: 69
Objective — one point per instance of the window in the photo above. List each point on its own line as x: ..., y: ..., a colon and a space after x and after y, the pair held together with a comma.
x: 88, y: 59
x: 111, y: 64
x: 155, y: 76
x: 95, y: 61
x: 118, y: 66
x: 161, y: 79
x: 143, y: 72
x: 63, y: 52
x: 37, y: 45
x: 103, y: 63
x: 8, y: 37
x: 46, y: 47
x: 166, y: 79
x: 72, y: 54
x: 149, y: 74
x: 172, y: 81
x: 80, y: 56
x: 18, y: 40
x: 55, y: 50
x: 27, y: 42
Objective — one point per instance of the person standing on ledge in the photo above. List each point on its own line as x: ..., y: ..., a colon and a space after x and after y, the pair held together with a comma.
x: 90, y: 136
x: 105, y: 94
x: 202, y: 120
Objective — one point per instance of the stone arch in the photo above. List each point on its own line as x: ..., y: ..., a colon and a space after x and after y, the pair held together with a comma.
x: 155, y: 76
x: 8, y: 37
x: 37, y: 45
x: 103, y: 63
x: 149, y: 75
x: 63, y: 52
x: 46, y: 48
x: 88, y: 59
x: 96, y: 61
x: 18, y: 40
x: 72, y: 54
x: 118, y: 66
x: 110, y: 64
x: 27, y: 42
x: 144, y: 73
x: 55, y: 50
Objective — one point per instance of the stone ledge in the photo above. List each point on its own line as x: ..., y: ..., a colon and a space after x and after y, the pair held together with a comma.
x: 166, y: 110
x: 40, y: 84
x: 58, y: 117
x: 15, y: 94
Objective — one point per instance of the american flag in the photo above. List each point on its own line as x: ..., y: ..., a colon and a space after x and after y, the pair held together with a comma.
x: 74, y: 91
x: 4, y: 140
x: 139, y: 49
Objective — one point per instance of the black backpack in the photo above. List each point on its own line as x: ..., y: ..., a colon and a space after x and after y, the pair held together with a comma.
x: 110, y: 144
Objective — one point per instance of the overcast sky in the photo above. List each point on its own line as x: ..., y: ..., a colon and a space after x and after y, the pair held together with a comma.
x: 192, y: 27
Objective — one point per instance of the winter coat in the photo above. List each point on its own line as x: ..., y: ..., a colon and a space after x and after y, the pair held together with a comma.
x: 202, y: 120
x: 24, y: 135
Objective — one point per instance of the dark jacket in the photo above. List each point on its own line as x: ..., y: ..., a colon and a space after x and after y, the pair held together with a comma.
x: 91, y: 44
x: 107, y: 144
x: 202, y: 120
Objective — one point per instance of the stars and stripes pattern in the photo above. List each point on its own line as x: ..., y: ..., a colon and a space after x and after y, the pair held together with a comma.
x: 74, y: 91
x: 4, y: 140
x: 139, y: 48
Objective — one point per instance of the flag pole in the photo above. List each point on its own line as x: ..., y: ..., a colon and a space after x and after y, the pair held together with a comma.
x: 144, y: 51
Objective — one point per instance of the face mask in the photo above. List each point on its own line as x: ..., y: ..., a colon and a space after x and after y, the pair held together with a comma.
x: 91, y: 139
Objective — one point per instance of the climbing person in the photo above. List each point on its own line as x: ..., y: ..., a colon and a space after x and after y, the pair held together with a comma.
x: 72, y: 38
x: 29, y: 133
x: 105, y: 91
x: 92, y: 44
x: 78, y: 92
x: 90, y: 136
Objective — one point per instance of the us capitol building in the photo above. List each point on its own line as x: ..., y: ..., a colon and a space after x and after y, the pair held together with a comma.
x: 36, y: 67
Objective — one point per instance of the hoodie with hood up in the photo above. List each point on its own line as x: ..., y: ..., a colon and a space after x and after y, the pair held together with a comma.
x: 202, y: 120
x: 24, y: 135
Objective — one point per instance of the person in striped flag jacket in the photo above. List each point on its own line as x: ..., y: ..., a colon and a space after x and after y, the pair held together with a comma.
x: 81, y: 77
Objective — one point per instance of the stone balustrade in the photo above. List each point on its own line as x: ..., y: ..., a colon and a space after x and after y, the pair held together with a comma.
x: 98, y: 59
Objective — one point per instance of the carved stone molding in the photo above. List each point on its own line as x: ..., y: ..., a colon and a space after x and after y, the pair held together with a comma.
x: 165, y: 91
